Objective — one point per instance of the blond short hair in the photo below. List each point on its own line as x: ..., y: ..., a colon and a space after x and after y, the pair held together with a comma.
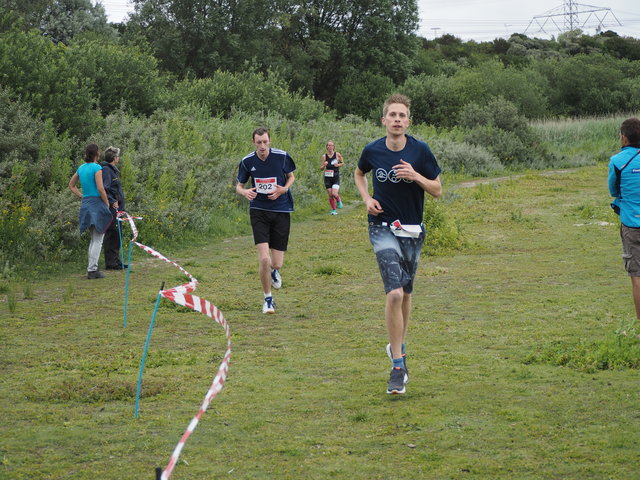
x: 396, y: 98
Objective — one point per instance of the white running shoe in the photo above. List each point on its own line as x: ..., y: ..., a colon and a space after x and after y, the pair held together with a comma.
x: 269, y: 305
x: 276, y: 279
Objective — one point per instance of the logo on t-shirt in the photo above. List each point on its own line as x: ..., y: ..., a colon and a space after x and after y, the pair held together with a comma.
x: 383, y: 175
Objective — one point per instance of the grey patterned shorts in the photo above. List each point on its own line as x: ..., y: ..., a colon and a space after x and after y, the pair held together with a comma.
x: 397, y: 257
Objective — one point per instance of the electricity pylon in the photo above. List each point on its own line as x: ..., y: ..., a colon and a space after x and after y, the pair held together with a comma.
x: 573, y: 16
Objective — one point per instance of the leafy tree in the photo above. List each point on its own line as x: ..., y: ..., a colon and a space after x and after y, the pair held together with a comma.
x: 314, y: 45
x: 61, y: 20
x: 362, y: 94
x: 621, y: 47
x: 198, y: 37
x: 118, y: 74
x: 39, y: 72
x: 588, y: 84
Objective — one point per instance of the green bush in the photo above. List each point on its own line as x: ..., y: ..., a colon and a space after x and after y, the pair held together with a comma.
x: 504, y: 132
x: 465, y: 158
x: 39, y: 71
x: 443, y: 235
x: 433, y: 101
x: 439, y: 99
x: 225, y: 93
x: 363, y: 94
x: 118, y: 74
x: 589, y: 84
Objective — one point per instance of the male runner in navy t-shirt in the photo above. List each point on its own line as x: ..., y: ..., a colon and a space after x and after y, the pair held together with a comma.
x: 270, y: 203
x: 403, y: 168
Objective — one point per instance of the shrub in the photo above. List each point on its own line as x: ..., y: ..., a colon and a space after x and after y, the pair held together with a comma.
x: 443, y: 235
x: 40, y: 73
x: 505, y: 133
x: 118, y: 74
x: 588, y: 84
x: 465, y: 158
x: 362, y: 94
x: 225, y: 93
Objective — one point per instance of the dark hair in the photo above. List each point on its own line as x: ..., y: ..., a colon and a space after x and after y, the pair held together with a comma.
x: 110, y: 154
x: 630, y: 128
x: 260, y: 131
x: 90, y: 152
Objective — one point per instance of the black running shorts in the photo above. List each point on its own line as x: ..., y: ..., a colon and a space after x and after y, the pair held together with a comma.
x: 271, y: 227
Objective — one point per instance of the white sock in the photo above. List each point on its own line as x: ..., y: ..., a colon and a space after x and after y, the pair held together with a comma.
x: 267, y: 295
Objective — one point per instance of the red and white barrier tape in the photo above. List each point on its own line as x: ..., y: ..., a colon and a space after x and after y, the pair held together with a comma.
x: 181, y: 296
x: 203, y: 306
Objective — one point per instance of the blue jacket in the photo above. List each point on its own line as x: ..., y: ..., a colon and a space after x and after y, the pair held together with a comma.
x: 624, y: 184
x: 94, y: 212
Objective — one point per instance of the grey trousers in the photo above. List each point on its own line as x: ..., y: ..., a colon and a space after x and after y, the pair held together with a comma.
x: 94, y: 249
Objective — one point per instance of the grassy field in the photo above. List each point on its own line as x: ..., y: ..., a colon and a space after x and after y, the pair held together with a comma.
x: 305, y: 396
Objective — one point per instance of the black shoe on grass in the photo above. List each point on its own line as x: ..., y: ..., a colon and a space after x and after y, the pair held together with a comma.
x: 404, y: 359
x: 397, y: 381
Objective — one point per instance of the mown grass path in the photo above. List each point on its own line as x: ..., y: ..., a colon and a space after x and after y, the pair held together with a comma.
x: 305, y: 393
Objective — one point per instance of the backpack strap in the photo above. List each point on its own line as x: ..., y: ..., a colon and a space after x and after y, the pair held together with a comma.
x: 619, y: 172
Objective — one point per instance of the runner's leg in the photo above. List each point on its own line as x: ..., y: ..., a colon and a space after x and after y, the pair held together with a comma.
x: 264, y: 266
x: 394, y: 318
x: 277, y: 259
x: 406, y: 311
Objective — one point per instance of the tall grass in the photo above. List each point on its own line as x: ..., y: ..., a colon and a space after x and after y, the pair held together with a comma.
x: 582, y: 141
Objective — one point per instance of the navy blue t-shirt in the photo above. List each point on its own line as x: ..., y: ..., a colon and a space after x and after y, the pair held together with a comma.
x: 265, y: 174
x: 400, y: 199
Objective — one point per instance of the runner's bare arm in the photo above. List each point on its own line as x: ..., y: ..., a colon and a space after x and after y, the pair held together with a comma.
x: 373, y: 206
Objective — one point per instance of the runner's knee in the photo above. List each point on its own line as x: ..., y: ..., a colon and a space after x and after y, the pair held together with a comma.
x: 395, y: 296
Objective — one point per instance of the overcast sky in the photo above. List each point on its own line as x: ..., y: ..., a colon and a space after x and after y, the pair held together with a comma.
x: 484, y: 20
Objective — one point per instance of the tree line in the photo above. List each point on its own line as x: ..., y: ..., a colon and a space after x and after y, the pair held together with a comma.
x: 345, y: 54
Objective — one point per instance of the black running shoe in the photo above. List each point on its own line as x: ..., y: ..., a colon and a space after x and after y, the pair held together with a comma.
x: 397, y: 381
x: 404, y: 359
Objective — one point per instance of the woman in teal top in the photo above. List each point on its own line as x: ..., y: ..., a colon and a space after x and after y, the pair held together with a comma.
x: 94, y: 212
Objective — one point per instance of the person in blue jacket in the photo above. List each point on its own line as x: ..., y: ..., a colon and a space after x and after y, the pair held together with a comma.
x: 270, y: 205
x: 624, y: 185
x: 94, y: 210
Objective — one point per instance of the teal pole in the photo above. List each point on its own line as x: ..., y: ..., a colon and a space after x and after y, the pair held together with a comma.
x: 146, y: 348
x: 120, y: 234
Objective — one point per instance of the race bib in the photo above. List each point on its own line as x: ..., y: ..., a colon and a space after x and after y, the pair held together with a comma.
x: 328, y: 173
x: 266, y: 185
